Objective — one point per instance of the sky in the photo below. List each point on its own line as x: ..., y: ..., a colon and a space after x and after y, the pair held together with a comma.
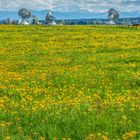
x: 91, y: 6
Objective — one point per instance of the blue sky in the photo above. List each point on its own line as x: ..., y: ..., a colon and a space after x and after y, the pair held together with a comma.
x: 65, y: 6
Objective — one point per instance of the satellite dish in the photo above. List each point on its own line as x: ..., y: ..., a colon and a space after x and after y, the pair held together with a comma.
x: 24, y: 14
x: 113, y: 15
x: 50, y: 13
x: 50, y: 19
x: 34, y: 20
x: 8, y: 21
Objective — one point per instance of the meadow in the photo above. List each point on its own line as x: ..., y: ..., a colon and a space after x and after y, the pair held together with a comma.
x: 69, y: 83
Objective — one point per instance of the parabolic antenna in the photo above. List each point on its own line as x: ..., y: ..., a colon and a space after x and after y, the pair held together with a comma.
x: 24, y: 13
x: 113, y: 15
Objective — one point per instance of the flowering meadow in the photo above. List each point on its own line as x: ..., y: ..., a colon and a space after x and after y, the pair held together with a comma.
x: 69, y: 83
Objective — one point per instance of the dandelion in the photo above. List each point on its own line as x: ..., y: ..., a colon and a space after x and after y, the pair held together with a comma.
x: 124, y: 117
x: 104, y: 138
x: 7, y: 138
x: 41, y: 138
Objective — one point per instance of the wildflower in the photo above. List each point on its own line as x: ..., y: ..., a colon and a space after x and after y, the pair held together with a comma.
x: 7, y: 138
x: 99, y: 134
x: 104, y: 138
x: 91, y: 137
x: 124, y: 117
x: 41, y: 138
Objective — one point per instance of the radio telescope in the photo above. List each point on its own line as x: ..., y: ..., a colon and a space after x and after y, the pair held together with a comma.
x: 24, y: 14
x: 34, y: 20
x: 8, y: 21
x: 50, y: 19
x: 113, y: 15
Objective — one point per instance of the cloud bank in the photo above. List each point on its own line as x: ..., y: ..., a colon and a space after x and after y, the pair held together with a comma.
x: 71, y: 5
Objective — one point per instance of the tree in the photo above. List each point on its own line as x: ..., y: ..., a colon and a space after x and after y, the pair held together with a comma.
x: 24, y: 14
x: 62, y: 22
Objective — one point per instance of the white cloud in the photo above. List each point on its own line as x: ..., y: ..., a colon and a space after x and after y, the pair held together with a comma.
x: 71, y: 5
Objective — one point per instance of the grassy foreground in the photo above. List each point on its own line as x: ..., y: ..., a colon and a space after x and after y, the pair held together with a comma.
x: 69, y: 83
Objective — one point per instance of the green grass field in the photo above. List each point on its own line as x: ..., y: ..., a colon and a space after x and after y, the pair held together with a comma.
x: 69, y: 83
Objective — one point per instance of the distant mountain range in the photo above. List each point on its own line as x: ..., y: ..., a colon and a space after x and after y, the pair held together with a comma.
x: 67, y: 15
